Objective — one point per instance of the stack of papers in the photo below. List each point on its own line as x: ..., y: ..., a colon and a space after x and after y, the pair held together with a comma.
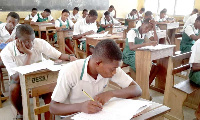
x: 47, y: 64
x: 115, y: 109
x: 98, y: 35
x: 157, y: 47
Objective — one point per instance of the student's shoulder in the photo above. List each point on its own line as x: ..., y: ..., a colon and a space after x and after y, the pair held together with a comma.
x: 8, y: 50
x: 2, y: 25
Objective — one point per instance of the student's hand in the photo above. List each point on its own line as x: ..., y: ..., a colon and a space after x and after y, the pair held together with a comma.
x: 72, y: 58
x: 89, y: 32
x: 21, y: 47
x: 104, y: 32
x: 103, y: 97
x: 153, y: 43
x: 153, y: 23
x: 9, y: 40
x: 63, y: 26
x: 91, y: 107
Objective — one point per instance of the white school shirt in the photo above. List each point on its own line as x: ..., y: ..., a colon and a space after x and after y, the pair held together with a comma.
x: 190, y: 20
x: 140, y: 15
x: 158, y: 19
x: 195, y: 56
x: 57, y: 22
x: 112, y: 21
x: 128, y: 16
x: 74, y: 16
x: 12, y: 58
x: 131, y: 35
x: 81, y: 27
x: 80, y: 18
x: 35, y: 18
x: 186, y: 18
x: 4, y: 34
x: 190, y: 30
x: 70, y: 83
x: 28, y: 17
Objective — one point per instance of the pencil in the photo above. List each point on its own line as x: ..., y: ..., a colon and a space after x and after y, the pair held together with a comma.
x: 88, y: 95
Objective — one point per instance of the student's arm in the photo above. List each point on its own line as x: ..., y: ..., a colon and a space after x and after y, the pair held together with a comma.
x: 51, y: 20
x: 190, y: 32
x: 195, y: 67
x: 134, y: 46
x: 194, y: 37
x: 79, y: 36
x: 155, y: 37
x: 57, y: 26
x: 115, y: 13
x: 67, y: 57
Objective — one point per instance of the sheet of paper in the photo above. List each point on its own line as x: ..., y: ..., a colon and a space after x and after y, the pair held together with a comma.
x: 98, y: 35
x: 115, y: 109
x: 157, y: 47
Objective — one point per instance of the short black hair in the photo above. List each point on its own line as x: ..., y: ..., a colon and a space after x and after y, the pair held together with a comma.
x: 47, y: 10
x: 196, y: 10
x: 142, y: 9
x: 65, y: 10
x: 198, y: 18
x: 76, y: 8
x: 14, y: 15
x: 163, y: 11
x: 108, y: 49
x: 111, y: 6
x: 93, y: 13
x: 148, y: 13
x: 85, y: 10
x: 107, y: 13
x: 133, y: 10
x: 147, y: 21
x: 24, y: 29
x: 34, y: 9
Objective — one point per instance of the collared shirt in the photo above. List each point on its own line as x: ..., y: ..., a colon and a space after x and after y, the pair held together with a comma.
x: 28, y: 17
x: 57, y: 22
x: 112, y: 21
x: 129, y: 16
x: 190, y: 30
x: 4, y: 34
x: 131, y: 35
x: 80, y: 18
x: 70, y: 85
x: 186, y: 18
x: 140, y: 15
x: 158, y: 19
x: 74, y: 16
x: 35, y: 18
x: 195, y: 56
x: 11, y: 56
x: 190, y: 20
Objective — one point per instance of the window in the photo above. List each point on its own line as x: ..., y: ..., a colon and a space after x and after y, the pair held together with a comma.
x: 174, y: 7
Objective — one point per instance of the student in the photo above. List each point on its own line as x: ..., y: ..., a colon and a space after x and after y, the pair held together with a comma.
x: 25, y: 50
x: 112, y: 11
x: 85, y: 14
x: 31, y: 16
x: 107, y: 21
x: 133, y: 15
x: 8, y: 29
x: 92, y: 75
x: 135, y: 39
x: 161, y: 18
x: 147, y: 15
x: 43, y: 17
x: 191, y: 20
x: 75, y: 15
x: 86, y: 26
x: 190, y: 35
x: 187, y: 16
x: 140, y: 13
x: 65, y: 23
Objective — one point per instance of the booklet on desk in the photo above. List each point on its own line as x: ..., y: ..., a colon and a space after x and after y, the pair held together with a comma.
x: 116, y: 109
x: 98, y: 35
x: 47, y: 64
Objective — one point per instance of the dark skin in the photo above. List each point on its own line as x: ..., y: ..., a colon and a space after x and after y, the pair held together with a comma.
x: 33, y: 13
x: 85, y: 14
x: 108, y: 25
x: 44, y: 15
x: 106, y: 69
x: 133, y: 13
x: 24, y: 45
x: 111, y: 9
x: 197, y: 26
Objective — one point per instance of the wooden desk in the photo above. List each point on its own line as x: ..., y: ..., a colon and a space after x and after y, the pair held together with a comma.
x: 21, y: 20
x: 143, y: 63
x: 121, y: 20
x: 41, y: 27
x: 170, y: 30
x: 61, y: 35
x: 27, y: 22
x: 117, y: 30
x: 94, y: 41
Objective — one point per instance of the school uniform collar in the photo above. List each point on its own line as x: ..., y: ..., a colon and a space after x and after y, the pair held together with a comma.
x: 62, y: 20
x: 41, y: 16
x: 16, y: 51
x: 85, y: 75
x: 4, y: 27
x: 84, y: 21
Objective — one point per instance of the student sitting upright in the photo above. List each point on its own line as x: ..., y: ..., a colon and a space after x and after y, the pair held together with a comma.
x: 135, y: 39
x: 112, y: 11
x: 85, y: 14
x: 63, y: 23
x: 140, y: 13
x: 190, y: 35
x: 92, y: 75
x: 147, y: 15
x: 75, y: 15
x: 44, y: 17
x: 187, y: 16
x: 107, y: 21
x: 191, y: 20
x: 86, y: 26
x: 32, y: 15
x: 133, y: 15
x: 161, y: 18
x: 8, y: 29
x: 25, y: 50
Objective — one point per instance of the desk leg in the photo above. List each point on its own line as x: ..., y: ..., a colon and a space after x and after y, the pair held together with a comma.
x: 87, y: 48
x: 143, y: 67
x: 25, y: 99
x: 40, y: 35
x: 61, y: 42
x: 161, y: 76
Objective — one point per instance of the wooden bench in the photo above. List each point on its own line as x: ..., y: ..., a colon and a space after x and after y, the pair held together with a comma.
x: 176, y: 94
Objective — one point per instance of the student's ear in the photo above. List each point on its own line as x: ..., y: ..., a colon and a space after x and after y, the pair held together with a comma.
x: 98, y: 62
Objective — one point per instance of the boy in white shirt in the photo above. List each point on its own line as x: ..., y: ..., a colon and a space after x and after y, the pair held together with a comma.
x: 85, y: 14
x: 191, y: 20
x: 132, y: 16
x: 32, y: 15
x: 75, y: 15
x: 187, y: 16
x: 92, y: 75
x: 112, y: 11
x: 140, y: 13
x: 63, y: 23
x: 147, y: 15
x: 25, y: 50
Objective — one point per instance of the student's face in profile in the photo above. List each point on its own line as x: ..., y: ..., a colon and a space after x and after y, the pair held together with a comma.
x: 198, y: 24
x: 108, y: 69
x: 85, y: 14
x: 27, y: 40
x: 34, y: 12
x: 65, y: 15
x: 146, y: 28
x: 110, y: 9
x: 107, y: 17
x: 92, y: 19
x: 46, y: 14
x: 162, y: 15
x: 11, y: 23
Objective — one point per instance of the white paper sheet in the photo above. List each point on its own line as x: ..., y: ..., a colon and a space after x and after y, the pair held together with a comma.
x: 98, y: 35
x: 157, y: 47
x: 115, y: 109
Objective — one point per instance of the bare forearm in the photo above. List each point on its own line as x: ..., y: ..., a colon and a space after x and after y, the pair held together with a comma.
x: 64, y: 57
x: 155, y: 34
x: 78, y: 36
x: 196, y: 67
x: 28, y: 59
x: 133, y: 46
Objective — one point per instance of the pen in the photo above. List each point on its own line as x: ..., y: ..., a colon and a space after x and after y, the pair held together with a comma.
x: 88, y: 95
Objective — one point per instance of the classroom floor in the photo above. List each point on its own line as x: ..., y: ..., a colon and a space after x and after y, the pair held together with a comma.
x: 7, y: 112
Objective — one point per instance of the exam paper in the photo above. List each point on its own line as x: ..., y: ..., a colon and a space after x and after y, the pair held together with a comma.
x: 157, y: 47
x: 98, y: 35
x: 117, y: 109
